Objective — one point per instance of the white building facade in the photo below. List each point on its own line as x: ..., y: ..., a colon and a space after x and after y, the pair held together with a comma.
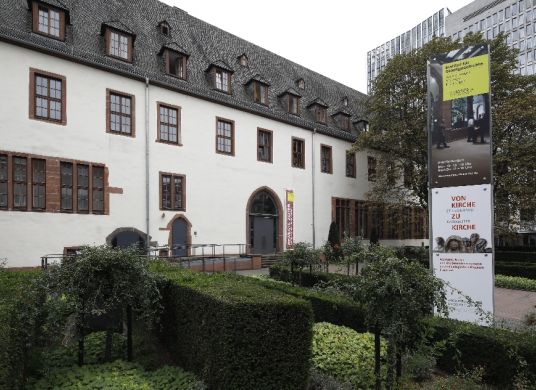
x: 118, y: 127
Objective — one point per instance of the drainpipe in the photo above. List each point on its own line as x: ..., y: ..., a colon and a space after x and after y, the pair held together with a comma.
x: 313, y: 184
x: 147, y: 241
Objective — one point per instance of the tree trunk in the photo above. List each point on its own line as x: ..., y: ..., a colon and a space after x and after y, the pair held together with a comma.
x: 377, y: 357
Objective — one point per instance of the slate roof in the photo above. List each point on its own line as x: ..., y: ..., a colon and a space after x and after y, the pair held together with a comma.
x: 206, y: 44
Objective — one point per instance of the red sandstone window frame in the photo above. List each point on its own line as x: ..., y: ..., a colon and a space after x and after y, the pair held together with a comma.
x: 326, y: 159
x: 224, y: 137
x: 4, y: 181
x: 172, y: 206
x: 297, y: 157
x: 122, y: 95
x: 265, y: 148
x: 162, y: 122
x: 350, y: 164
x: 20, y: 182
x: 39, y: 183
x: 371, y: 168
x: 34, y: 73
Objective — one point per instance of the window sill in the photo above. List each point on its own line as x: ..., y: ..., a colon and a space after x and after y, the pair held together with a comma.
x: 168, y: 143
x: 120, y: 133
x: 51, y: 121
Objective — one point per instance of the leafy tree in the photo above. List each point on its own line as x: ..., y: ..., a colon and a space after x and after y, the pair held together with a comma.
x: 100, y: 281
x: 300, y: 256
x: 397, y: 111
x: 352, y: 251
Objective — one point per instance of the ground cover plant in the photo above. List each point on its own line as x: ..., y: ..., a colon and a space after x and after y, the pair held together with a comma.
x: 515, y: 282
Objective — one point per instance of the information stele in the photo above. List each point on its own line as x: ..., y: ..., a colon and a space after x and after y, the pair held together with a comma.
x: 460, y: 193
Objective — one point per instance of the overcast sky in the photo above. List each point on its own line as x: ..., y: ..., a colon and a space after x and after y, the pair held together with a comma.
x: 329, y: 37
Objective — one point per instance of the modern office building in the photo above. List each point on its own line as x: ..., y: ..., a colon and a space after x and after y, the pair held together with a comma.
x: 433, y: 26
x: 515, y: 18
x: 130, y: 121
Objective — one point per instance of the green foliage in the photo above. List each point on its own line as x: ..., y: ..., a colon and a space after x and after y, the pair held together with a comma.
x: 20, y: 326
x: 515, y: 283
x: 233, y: 331
x: 102, y: 279
x: 344, y: 354
x: 301, y: 255
x: 307, y: 279
x: 504, y: 356
x: 515, y: 256
x: 333, y: 235
x: 327, y: 307
x: 521, y: 269
x: 419, y: 366
x: 397, y: 111
x: 117, y: 375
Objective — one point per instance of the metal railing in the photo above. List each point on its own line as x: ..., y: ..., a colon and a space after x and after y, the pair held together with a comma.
x: 202, y: 257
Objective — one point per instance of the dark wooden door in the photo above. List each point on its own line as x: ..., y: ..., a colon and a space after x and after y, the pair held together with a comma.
x: 179, y: 237
x: 263, y: 235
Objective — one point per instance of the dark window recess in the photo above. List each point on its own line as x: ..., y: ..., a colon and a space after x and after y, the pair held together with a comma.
x: 371, y: 165
x: 66, y: 182
x: 362, y: 220
x: 20, y: 180
x: 260, y: 93
x: 298, y: 153
x: 342, y: 217
x: 350, y: 165
x: 120, y: 114
x: 82, y: 185
x: 293, y: 104
x: 98, y: 189
x: 172, y: 192
x: 225, y: 137
x: 3, y: 181
x: 321, y: 114
x: 176, y: 64
x: 264, y: 149
x: 345, y: 122
x: 38, y: 184
x: 325, y: 159
x: 48, y: 98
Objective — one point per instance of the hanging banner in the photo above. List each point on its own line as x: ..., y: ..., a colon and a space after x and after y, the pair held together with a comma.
x: 460, y: 177
x: 290, y: 218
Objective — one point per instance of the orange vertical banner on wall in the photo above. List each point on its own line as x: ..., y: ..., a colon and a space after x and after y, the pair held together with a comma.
x: 290, y: 218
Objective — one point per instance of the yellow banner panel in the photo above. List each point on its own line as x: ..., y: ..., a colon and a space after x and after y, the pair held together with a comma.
x: 467, y: 77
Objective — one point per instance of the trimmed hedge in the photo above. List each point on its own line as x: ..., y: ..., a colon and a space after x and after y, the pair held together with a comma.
x: 524, y: 270
x: 306, y: 278
x: 19, y: 311
x: 233, y: 331
x: 327, y: 307
x: 500, y: 352
x: 515, y: 283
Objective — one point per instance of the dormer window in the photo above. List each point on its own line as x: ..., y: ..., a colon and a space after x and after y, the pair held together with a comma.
x: 222, y: 80
x: 243, y: 60
x: 343, y: 119
x: 362, y: 125
x: 291, y: 101
x: 345, y: 102
x: 175, y: 60
x: 221, y: 76
x: 301, y: 84
x: 260, y: 92
x: 320, y: 110
x: 48, y: 20
x: 119, y: 40
x: 165, y: 29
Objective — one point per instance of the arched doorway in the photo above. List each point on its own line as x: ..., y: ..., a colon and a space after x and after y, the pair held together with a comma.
x: 180, y: 237
x: 126, y: 237
x: 264, y: 222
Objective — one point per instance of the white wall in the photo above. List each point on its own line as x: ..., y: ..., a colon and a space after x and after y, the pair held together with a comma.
x: 218, y: 186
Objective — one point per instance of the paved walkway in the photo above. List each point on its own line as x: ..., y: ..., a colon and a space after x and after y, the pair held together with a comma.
x: 510, y: 305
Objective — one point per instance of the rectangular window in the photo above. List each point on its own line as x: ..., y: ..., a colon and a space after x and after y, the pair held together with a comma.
x: 345, y: 122
x: 20, y: 180
x: 371, y: 165
x: 342, y: 217
x: 176, y: 64
x: 48, y: 21
x: 120, y: 113
x: 120, y: 45
x: 82, y: 188
x: 168, y: 124
x: 260, y: 93
x: 47, y: 98
x: 321, y: 114
x: 38, y: 184
x: 172, y: 192
x: 3, y: 180
x: 264, y: 145
x: 325, y: 159
x: 222, y: 80
x: 98, y: 189
x: 362, y: 220
x: 66, y: 183
x: 224, y: 136
x: 350, y: 164
x: 293, y: 104
x: 298, y: 153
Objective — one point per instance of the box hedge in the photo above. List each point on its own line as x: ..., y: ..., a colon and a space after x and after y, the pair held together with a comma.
x: 504, y: 355
x: 233, y: 331
x: 529, y: 257
x: 304, y: 278
x: 515, y: 283
x: 524, y: 270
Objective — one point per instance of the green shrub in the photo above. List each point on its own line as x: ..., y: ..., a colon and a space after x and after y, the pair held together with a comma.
x: 20, y: 326
x: 525, y: 270
x: 515, y: 282
x: 503, y: 355
x: 327, y: 307
x: 519, y: 256
x: 307, y: 279
x: 233, y: 331
x: 344, y: 354
x: 117, y: 375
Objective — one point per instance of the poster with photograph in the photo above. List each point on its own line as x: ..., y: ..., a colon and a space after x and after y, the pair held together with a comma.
x: 459, y: 118
x: 462, y: 252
